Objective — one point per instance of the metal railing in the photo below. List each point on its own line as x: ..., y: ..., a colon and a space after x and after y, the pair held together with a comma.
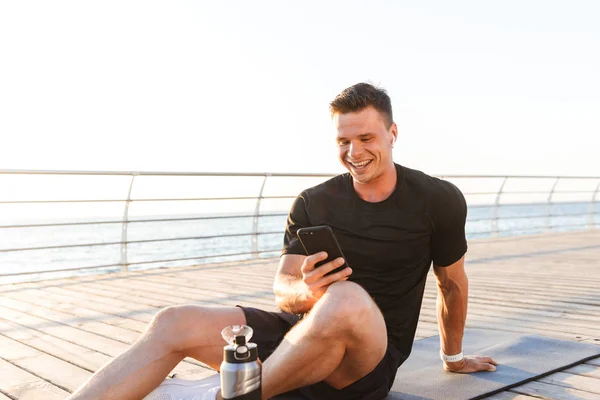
x: 586, y: 193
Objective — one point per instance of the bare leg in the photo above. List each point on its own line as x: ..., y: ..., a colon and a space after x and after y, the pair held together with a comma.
x: 175, y: 332
x: 340, y: 341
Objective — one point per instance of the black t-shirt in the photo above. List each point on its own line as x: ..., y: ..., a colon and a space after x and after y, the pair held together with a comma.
x: 389, y: 245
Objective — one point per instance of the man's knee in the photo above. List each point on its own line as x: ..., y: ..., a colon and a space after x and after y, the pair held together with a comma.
x: 164, y: 324
x: 350, y: 306
x: 169, y: 323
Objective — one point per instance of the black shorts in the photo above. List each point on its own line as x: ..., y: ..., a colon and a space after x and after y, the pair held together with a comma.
x: 269, y: 330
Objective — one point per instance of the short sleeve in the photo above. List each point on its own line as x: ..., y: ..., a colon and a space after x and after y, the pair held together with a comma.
x: 449, y: 213
x: 297, y: 218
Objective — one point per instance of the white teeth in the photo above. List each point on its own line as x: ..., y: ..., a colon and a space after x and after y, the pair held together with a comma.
x: 360, y: 164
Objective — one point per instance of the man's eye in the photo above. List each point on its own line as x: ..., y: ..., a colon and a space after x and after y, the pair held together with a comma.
x: 366, y: 139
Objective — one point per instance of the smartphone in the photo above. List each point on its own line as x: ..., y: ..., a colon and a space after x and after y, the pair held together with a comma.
x: 321, y: 238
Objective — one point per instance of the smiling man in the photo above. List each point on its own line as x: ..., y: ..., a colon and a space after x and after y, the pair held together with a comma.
x: 338, y: 336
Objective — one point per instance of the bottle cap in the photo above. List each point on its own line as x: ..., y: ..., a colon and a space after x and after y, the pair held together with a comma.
x: 239, y: 348
x: 237, y: 334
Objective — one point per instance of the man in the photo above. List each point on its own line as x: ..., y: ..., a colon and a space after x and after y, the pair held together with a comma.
x: 340, y: 336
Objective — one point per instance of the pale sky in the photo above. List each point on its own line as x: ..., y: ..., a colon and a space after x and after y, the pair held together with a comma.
x: 504, y: 87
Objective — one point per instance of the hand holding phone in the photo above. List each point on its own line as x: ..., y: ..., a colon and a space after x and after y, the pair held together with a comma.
x: 325, y: 263
x: 316, y: 239
x: 317, y: 280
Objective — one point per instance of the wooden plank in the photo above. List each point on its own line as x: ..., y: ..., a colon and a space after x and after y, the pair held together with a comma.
x: 167, y: 284
x: 76, y: 280
x: 129, y: 294
x: 552, y: 392
x: 126, y: 309
x: 80, y: 356
x: 260, y: 278
x: 551, y: 326
x: 109, y: 331
x: 148, y: 296
x: 595, y: 361
x: 23, y: 385
x: 556, y: 323
x: 528, y: 300
x: 594, y: 341
x: 562, y: 298
x: 588, y: 384
x: 513, y: 325
x: 130, y: 297
x: 226, y: 293
x: 567, y: 294
x: 136, y: 291
x: 43, y: 299
x: 56, y: 371
x: 83, y: 338
x: 534, y: 282
x: 588, y: 370
x: 571, y: 315
x: 205, y: 281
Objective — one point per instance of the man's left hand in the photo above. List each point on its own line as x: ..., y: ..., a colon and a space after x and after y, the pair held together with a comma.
x: 471, y: 364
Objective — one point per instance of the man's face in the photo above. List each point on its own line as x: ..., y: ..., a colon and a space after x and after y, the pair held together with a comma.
x: 364, y: 143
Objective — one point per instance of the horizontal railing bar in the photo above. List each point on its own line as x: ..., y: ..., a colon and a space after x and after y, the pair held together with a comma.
x: 144, y: 220
x: 137, y: 241
x: 134, y: 263
x: 529, y: 192
x: 533, y: 216
x: 60, y: 224
x: 545, y: 203
x: 141, y: 200
x: 251, y: 216
x: 263, y: 197
x: 533, y: 228
x: 163, y: 173
x: 517, y: 176
x: 259, y: 174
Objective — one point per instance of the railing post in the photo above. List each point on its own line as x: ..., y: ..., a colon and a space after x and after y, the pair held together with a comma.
x: 257, y: 217
x: 549, y: 206
x: 592, y: 210
x: 124, y: 264
x: 495, y: 230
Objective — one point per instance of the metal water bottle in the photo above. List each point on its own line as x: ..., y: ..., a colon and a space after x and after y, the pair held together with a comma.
x: 241, y: 372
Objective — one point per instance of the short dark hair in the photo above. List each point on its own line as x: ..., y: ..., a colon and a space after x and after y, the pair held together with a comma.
x: 360, y: 96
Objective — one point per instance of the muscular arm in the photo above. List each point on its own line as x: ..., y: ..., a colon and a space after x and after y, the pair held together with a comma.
x: 453, y: 294
x: 452, y: 299
x: 291, y: 292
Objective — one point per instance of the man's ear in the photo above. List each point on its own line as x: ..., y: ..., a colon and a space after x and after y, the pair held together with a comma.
x: 394, y: 132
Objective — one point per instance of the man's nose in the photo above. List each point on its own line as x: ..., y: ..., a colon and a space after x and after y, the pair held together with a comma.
x: 355, y: 150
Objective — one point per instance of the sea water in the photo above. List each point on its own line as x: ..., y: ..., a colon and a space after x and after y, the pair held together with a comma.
x: 518, y: 219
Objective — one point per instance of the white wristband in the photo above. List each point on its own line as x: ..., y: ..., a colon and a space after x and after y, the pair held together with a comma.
x: 454, y: 358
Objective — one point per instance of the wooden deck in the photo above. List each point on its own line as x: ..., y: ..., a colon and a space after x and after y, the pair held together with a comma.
x: 54, y: 334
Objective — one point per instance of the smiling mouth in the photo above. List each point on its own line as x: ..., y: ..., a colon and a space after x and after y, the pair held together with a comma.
x: 359, y: 165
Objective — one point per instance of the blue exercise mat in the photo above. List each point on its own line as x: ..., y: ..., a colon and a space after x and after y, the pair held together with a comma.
x: 522, y: 358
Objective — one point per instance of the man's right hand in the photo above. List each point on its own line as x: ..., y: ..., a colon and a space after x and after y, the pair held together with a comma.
x: 315, y: 279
